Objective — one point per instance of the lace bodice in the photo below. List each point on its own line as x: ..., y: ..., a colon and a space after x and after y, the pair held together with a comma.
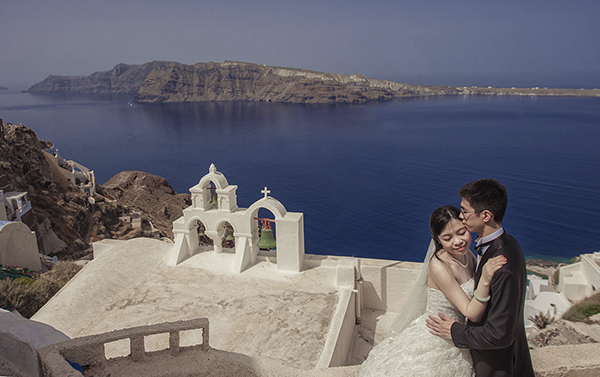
x: 437, y: 302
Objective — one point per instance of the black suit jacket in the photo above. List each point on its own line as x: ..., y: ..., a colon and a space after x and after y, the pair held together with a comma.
x: 498, y: 343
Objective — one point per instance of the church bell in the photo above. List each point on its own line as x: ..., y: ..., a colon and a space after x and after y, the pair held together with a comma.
x: 267, y: 241
x: 213, y: 198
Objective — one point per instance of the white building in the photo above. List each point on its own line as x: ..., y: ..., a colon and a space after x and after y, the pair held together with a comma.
x: 581, y: 279
x: 71, y: 173
x: 18, y: 246
x: 18, y: 243
x: 14, y: 205
x: 543, y: 298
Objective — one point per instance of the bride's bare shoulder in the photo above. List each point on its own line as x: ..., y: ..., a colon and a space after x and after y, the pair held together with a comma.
x: 438, y: 267
x: 438, y: 273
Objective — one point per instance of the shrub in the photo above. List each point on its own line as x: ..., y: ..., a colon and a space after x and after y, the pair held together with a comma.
x: 542, y: 320
x: 64, y: 271
x: 584, y: 309
x: 28, y: 295
x: 26, y: 298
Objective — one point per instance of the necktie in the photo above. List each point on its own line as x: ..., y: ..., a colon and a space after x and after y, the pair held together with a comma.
x: 479, y: 247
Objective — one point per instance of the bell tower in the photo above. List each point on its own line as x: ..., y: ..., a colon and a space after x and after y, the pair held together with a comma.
x: 214, y: 206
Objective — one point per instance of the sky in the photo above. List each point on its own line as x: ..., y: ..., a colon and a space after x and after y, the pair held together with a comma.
x: 438, y: 42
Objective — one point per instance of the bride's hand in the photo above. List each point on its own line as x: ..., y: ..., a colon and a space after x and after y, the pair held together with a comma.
x: 490, y: 267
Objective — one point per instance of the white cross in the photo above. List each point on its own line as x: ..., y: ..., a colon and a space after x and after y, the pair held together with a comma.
x: 266, y: 192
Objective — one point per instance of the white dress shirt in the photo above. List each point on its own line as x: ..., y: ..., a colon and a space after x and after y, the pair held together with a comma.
x: 488, y: 238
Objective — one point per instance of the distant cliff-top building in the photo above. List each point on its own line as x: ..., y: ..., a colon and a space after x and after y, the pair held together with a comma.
x: 70, y: 173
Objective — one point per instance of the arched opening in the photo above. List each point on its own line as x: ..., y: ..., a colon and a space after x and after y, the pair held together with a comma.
x: 213, y: 199
x: 228, y: 239
x: 266, y: 231
x: 203, y: 239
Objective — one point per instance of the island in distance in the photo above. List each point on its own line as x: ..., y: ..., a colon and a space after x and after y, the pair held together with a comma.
x: 160, y: 81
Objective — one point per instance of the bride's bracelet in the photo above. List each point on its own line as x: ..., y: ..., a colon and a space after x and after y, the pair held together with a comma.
x: 486, y: 299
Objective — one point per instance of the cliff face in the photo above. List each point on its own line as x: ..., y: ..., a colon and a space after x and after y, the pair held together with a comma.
x: 122, y: 79
x: 232, y: 81
x: 157, y: 82
x: 150, y: 194
x: 64, y: 219
x: 60, y: 216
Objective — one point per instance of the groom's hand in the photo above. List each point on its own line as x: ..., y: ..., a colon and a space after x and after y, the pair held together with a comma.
x: 440, y: 326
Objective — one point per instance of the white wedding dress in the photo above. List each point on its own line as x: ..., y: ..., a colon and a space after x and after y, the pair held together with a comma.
x: 416, y: 352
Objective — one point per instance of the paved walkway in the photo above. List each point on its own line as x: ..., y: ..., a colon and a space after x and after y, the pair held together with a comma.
x: 260, y: 312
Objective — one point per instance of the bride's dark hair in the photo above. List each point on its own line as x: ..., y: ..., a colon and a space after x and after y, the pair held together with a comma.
x: 438, y: 221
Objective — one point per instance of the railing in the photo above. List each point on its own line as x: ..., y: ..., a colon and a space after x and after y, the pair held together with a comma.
x: 91, y: 350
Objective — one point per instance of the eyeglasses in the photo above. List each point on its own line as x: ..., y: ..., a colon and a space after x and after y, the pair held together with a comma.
x: 464, y: 213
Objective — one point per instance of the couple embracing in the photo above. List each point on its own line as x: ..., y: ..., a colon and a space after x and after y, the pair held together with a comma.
x: 465, y: 315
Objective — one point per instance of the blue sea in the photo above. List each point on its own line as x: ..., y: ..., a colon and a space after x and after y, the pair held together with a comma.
x: 366, y: 177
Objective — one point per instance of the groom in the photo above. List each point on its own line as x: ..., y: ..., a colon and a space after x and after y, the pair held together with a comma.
x: 498, y: 342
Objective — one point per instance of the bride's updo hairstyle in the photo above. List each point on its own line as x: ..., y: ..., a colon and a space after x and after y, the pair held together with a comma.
x: 438, y: 221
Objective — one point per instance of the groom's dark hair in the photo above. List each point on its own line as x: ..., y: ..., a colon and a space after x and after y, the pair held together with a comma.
x: 486, y: 193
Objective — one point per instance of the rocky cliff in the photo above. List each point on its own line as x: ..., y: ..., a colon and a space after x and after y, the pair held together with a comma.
x: 122, y: 79
x: 236, y: 81
x: 149, y: 194
x: 232, y: 81
x: 66, y: 222
x: 60, y: 215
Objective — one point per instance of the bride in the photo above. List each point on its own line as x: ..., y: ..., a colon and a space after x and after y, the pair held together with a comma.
x: 446, y: 285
